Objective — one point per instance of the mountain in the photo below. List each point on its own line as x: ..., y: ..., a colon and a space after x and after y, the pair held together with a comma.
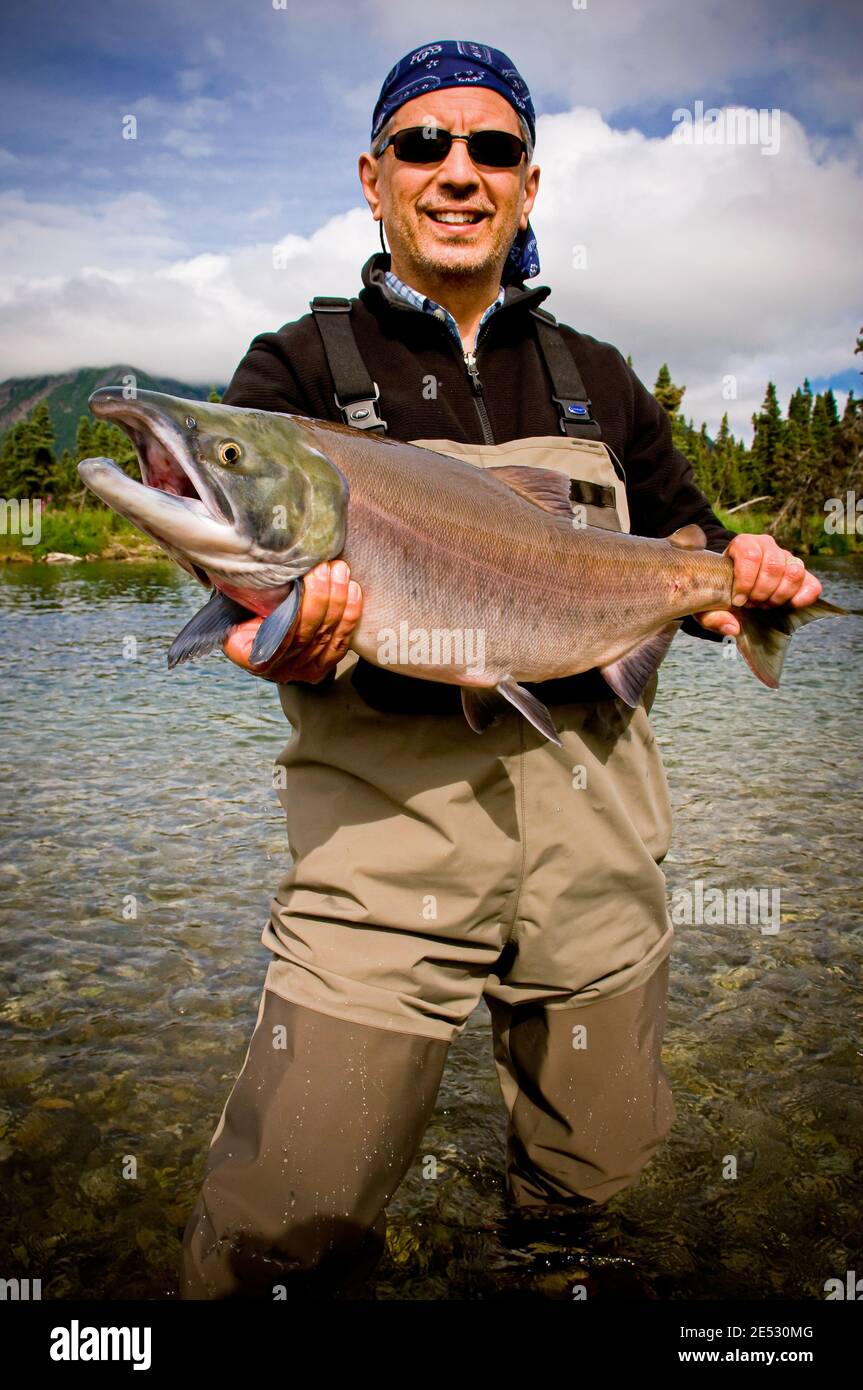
x: 66, y: 395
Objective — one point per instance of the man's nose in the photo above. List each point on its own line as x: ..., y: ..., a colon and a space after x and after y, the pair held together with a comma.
x: 458, y: 169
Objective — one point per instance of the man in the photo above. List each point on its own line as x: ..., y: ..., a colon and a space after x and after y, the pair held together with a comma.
x: 433, y: 866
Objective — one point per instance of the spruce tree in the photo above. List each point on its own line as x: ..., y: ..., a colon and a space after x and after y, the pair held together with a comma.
x: 768, y: 438
x: 724, y: 483
x: 16, y: 459
x: 668, y: 395
x: 42, y: 448
x: 65, y: 485
x: 84, y: 443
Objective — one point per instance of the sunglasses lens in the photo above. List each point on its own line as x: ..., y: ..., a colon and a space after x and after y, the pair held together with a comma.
x: 421, y: 144
x: 495, y: 148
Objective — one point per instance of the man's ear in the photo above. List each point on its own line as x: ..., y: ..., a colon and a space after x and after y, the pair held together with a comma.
x: 531, y: 188
x: 369, y: 171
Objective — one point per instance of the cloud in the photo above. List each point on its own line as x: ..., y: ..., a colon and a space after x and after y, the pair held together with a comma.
x: 717, y: 259
x: 189, y: 317
x: 44, y: 238
x: 630, y: 55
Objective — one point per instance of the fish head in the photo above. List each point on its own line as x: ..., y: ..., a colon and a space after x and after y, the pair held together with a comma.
x: 232, y: 494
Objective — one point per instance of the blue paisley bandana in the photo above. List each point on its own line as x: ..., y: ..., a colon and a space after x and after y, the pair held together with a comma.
x: 457, y: 63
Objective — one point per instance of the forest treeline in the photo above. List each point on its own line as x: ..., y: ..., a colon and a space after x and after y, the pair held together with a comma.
x: 799, y: 457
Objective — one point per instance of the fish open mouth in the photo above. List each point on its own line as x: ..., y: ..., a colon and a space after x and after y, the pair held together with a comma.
x: 173, y: 502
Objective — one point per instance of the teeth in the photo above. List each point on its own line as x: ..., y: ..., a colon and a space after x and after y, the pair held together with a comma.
x: 456, y: 217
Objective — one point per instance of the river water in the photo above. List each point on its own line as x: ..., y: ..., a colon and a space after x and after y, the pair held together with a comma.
x: 142, y: 839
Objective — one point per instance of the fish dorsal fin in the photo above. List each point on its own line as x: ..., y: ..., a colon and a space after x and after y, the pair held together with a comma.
x: 540, y: 486
x: 629, y: 675
x: 689, y: 537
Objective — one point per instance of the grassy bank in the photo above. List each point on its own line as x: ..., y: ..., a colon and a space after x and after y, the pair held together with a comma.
x: 94, y: 533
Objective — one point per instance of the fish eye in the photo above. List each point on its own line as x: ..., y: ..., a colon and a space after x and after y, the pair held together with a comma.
x: 191, y: 422
x: 229, y: 452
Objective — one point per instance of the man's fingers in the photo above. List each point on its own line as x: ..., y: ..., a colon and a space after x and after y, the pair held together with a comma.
x: 809, y: 591
x: 313, y: 609
x: 329, y: 646
x: 771, y: 574
x: 719, y: 621
x: 336, y: 600
x: 792, y: 577
x: 759, y: 565
x: 331, y: 606
x: 764, y: 573
x: 238, y: 644
x: 745, y: 551
x: 341, y: 636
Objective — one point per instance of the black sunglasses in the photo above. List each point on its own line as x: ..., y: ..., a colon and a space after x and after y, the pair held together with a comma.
x: 423, y: 144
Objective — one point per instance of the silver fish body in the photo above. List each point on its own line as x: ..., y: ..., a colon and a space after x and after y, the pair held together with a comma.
x: 478, y: 578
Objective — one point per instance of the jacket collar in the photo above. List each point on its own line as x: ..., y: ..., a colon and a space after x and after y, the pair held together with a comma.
x: 373, y: 280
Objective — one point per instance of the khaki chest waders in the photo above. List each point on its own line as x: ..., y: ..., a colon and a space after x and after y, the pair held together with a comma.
x: 433, y: 867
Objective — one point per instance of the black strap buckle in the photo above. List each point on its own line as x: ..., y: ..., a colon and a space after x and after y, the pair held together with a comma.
x: 362, y: 414
x: 576, y: 412
x: 329, y: 304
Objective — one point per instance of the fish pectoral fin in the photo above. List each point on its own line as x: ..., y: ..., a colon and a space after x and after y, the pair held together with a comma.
x: 629, y: 675
x: 208, y: 629
x: 482, y: 707
x: 527, y: 704
x: 689, y: 537
x: 274, y: 629
x: 540, y: 486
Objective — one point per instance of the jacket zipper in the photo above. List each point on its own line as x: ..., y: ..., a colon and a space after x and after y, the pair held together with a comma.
x: 476, y: 386
x: 469, y: 360
x: 477, y: 390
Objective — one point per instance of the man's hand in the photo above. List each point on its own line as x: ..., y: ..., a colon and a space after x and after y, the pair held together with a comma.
x: 764, y: 574
x: 329, y: 612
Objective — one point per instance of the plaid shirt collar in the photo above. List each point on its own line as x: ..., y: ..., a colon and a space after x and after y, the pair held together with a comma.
x: 428, y: 306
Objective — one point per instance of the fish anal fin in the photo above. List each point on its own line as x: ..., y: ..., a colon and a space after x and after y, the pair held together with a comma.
x: 628, y: 676
x: 527, y: 704
x: 540, y: 486
x: 275, y: 628
x: 208, y: 629
x: 689, y: 537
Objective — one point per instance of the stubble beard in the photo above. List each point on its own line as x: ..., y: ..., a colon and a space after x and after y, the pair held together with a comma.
x: 461, y: 267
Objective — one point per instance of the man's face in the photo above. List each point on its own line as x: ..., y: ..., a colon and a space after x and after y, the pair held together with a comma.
x: 411, y: 198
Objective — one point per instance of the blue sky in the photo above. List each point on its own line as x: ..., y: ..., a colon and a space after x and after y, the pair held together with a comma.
x: 250, y: 119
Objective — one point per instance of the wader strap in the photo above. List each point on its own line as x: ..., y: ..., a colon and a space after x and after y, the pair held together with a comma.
x: 356, y: 394
x: 567, y: 386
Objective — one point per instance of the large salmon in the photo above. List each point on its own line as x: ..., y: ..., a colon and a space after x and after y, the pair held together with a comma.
x: 479, y: 578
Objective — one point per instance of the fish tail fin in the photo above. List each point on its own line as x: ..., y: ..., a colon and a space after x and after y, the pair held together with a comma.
x: 765, y: 634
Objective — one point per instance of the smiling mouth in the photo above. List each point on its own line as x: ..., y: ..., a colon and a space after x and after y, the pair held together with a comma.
x: 469, y: 218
